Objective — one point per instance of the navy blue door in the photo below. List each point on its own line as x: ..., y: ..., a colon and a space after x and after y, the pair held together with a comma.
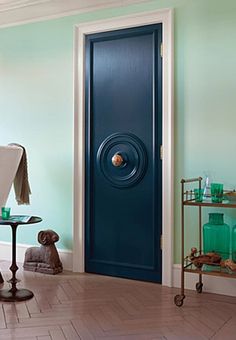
x: 123, y: 166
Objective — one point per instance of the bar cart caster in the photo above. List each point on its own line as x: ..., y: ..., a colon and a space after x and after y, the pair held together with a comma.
x: 199, y: 286
x: 179, y: 300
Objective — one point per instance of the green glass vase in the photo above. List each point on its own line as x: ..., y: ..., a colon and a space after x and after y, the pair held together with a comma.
x: 216, y: 236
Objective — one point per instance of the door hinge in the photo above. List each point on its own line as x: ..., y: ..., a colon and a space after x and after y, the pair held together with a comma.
x: 161, y: 152
x: 161, y: 242
x: 161, y: 50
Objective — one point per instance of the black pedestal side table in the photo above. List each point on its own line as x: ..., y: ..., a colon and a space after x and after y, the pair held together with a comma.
x: 15, y: 294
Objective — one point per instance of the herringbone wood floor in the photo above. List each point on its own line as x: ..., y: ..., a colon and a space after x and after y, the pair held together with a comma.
x: 85, y: 306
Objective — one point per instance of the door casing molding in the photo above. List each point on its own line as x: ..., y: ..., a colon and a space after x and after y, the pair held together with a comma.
x: 165, y: 17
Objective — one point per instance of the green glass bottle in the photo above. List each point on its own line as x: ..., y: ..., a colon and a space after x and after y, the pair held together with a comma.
x: 234, y: 244
x: 216, y: 236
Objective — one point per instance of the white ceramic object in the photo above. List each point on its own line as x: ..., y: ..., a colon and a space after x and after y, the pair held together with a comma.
x: 10, y: 157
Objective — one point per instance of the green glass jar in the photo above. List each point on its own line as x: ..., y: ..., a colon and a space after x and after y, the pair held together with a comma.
x: 234, y: 243
x: 216, y: 236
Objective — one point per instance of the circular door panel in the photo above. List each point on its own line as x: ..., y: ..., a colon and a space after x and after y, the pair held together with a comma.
x: 122, y: 159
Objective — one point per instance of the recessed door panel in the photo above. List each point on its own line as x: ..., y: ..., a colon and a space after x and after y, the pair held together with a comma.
x: 123, y: 166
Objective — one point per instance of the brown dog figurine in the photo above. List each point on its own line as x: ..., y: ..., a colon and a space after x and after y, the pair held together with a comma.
x: 44, y: 259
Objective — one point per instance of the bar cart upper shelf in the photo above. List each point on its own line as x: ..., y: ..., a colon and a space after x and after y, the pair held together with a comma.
x: 188, y: 199
x: 226, y: 204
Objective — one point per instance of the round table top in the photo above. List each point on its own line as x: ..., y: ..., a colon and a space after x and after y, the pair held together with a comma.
x: 14, y: 221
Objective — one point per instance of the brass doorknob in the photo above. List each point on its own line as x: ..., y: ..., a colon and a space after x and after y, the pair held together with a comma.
x: 117, y: 160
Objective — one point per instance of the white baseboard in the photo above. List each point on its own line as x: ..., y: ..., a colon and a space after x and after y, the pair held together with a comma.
x: 6, y: 251
x: 211, y: 284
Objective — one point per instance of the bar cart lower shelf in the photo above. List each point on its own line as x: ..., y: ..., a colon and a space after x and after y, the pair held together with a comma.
x: 187, y: 266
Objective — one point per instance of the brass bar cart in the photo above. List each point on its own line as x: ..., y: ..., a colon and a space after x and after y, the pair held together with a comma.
x: 188, y: 199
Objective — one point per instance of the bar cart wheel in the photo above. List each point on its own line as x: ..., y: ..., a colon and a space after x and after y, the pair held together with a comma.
x: 199, y: 286
x: 179, y: 300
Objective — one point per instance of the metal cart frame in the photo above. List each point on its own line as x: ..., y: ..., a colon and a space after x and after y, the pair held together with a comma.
x: 188, y: 199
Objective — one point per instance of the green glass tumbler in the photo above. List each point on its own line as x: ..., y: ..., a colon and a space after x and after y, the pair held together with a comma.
x: 198, y: 193
x: 5, y: 213
x: 216, y: 192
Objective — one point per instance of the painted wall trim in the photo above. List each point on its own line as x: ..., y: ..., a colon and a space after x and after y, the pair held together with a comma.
x: 211, y: 284
x: 43, y: 14
x: 6, y: 253
x: 18, y: 4
x: 165, y: 17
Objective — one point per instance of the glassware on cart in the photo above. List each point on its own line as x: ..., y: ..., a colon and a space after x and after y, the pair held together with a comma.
x: 216, y: 236
x: 216, y: 192
x: 207, y: 187
x: 198, y: 193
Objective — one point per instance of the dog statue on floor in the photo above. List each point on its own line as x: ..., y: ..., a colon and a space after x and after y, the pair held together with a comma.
x: 44, y: 259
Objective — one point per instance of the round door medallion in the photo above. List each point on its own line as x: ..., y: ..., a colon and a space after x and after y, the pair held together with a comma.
x: 122, y: 159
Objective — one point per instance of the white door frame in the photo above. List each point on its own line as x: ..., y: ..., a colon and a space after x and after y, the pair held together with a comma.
x: 165, y: 17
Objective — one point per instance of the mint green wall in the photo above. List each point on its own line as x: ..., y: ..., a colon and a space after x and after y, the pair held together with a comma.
x: 36, y: 105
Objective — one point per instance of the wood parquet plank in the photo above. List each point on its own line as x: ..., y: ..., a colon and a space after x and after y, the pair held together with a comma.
x: 10, y: 313
x: 57, y: 335
x: 2, y: 318
x: 9, y: 337
x: 32, y: 306
x: 134, y: 337
x: 22, y: 311
x: 22, y: 333
x: 87, y: 307
x: 227, y: 331
x: 70, y: 332
x: 83, y: 330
